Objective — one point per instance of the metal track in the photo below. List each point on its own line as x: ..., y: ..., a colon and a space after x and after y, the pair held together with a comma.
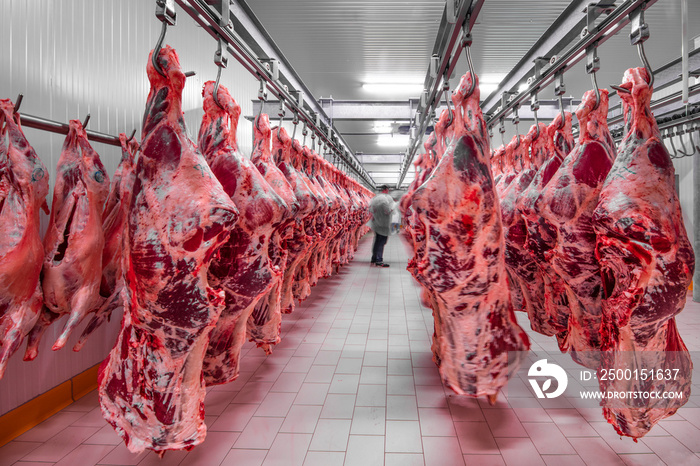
x: 51, y: 126
x: 448, y: 47
x: 612, y: 23
x: 209, y: 19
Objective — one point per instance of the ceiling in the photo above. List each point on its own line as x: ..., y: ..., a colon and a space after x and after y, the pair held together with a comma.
x: 337, y: 45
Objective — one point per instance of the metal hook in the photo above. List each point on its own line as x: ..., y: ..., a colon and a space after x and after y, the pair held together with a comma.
x: 133, y: 133
x: 156, y: 50
x: 18, y: 103
x: 643, y: 57
x: 620, y: 89
x: 516, y: 121
x: 597, y: 91
x: 559, y: 91
x: 502, y: 130
x: 216, y: 90
x: 669, y: 132
x: 534, y: 106
x: 304, y: 132
x: 280, y: 113
x: 592, y: 66
x: 684, y: 152
x: 86, y: 120
x: 466, y: 43
x: 446, y: 91
x: 295, y: 122
x: 697, y: 129
x: 262, y: 97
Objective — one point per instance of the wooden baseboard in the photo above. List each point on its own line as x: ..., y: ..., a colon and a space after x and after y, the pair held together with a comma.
x: 24, y: 417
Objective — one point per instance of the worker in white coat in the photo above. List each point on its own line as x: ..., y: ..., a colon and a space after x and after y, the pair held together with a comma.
x: 380, y: 207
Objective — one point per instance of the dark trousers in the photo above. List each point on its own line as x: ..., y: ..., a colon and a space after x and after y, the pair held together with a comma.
x: 378, y: 247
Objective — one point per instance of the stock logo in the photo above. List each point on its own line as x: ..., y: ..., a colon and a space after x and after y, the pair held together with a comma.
x: 542, y: 368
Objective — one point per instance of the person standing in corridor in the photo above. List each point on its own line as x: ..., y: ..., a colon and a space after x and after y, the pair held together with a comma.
x: 380, y: 207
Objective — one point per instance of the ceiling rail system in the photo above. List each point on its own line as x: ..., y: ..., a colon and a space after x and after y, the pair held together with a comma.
x: 591, y: 37
x: 256, y: 52
x: 457, y: 19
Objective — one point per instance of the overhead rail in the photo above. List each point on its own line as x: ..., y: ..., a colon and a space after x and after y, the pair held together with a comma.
x: 215, y: 17
x: 43, y: 124
x: 591, y: 38
x: 457, y: 21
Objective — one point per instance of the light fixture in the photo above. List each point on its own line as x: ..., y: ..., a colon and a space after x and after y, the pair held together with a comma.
x: 392, y: 140
x: 393, y: 88
x: 382, y: 127
x: 523, y: 87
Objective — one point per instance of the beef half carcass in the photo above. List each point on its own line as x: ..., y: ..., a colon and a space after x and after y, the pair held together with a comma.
x: 526, y: 279
x: 114, y: 220
x: 308, y: 203
x: 24, y: 184
x: 74, y: 240
x: 474, y: 321
x: 264, y: 324
x: 567, y: 203
x: 541, y: 234
x: 647, y: 264
x: 242, y: 267
x: 151, y: 386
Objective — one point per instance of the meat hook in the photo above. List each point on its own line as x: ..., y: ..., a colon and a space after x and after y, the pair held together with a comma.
x: 446, y: 91
x: 262, y: 97
x: 534, y: 106
x: 18, y: 103
x: 593, y: 65
x: 86, y: 120
x: 643, y: 57
x: 295, y: 122
x: 133, y: 133
x: 620, y: 89
x: 280, y: 113
x: 516, y: 120
x: 559, y: 91
x: 156, y: 50
x: 684, y: 152
x: 215, y: 94
x: 467, y: 43
x: 673, y: 146
x: 304, y: 132
x: 697, y: 129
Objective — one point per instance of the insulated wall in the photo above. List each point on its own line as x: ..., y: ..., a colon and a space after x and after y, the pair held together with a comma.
x: 69, y: 58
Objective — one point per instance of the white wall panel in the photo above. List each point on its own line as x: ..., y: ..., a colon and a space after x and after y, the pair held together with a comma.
x: 71, y: 57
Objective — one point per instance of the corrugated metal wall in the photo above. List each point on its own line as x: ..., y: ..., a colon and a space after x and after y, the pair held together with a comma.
x: 69, y: 58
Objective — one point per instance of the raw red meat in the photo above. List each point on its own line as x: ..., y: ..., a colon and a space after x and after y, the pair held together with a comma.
x: 510, y: 170
x: 151, y: 386
x: 567, y: 203
x: 289, y: 164
x: 541, y: 234
x: 526, y: 279
x: 498, y: 164
x: 114, y: 220
x: 242, y: 267
x: 74, y: 240
x: 24, y: 184
x: 475, y: 326
x: 647, y: 264
x: 265, y: 321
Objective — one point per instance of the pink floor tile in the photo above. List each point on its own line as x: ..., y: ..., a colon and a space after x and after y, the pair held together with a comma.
x: 106, y: 435
x: 324, y: 458
x: 338, y: 406
x: 368, y: 421
x: 239, y: 457
x: 548, y: 439
x: 442, y: 451
x: 403, y: 459
x: 312, y: 394
x: 61, y: 444
x: 289, y: 382
x: 51, y: 426
x: 400, y: 385
x: 403, y: 437
x: 431, y: 396
x: 235, y: 417
x: 301, y: 419
x: 484, y: 460
x: 476, y: 438
x: 344, y: 383
x: 320, y: 374
x: 327, y: 358
x: 595, y: 450
x: 365, y: 450
x: 214, y: 451
x: 259, y: 433
x: 331, y: 435
x: 563, y: 460
x: 15, y: 450
x: 519, y: 451
x: 276, y: 404
x: 436, y: 422
x: 253, y: 392
x: 671, y: 451
x: 121, y: 456
x: 93, y: 418
x: 288, y: 450
x: 642, y: 459
x: 504, y: 423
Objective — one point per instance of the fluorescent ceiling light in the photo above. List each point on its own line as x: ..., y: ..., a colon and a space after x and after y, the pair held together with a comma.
x: 393, y: 88
x: 523, y: 87
x: 485, y: 89
x: 392, y: 140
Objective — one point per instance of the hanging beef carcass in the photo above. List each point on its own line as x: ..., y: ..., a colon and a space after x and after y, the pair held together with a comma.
x: 114, y: 220
x: 322, y: 265
x: 265, y: 322
x: 474, y: 321
x: 647, y: 264
x: 151, y: 386
x: 541, y: 234
x: 498, y: 162
x: 24, y: 184
x: 511, y: 167
x: 527, y: 281
x: 289, y: 163
x: 242, y: 267
x: 74, y: 240
x: 567, y: 203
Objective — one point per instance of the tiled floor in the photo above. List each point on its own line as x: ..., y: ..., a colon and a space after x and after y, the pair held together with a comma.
x: 353, y: 383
